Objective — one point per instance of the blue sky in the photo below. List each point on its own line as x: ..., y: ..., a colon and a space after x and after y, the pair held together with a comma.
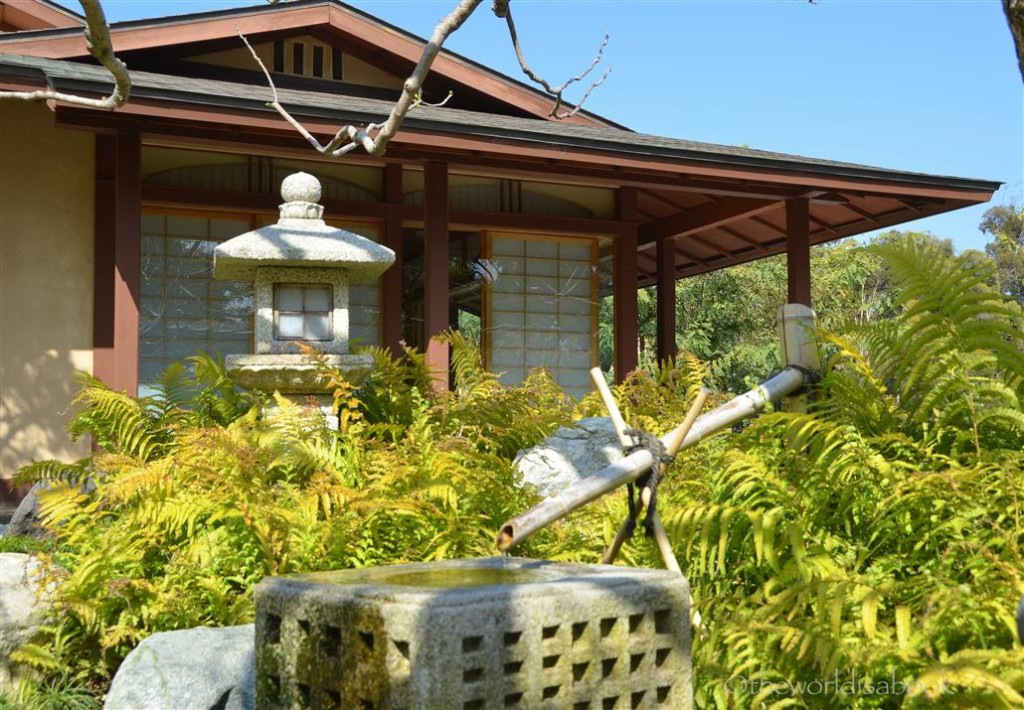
x: 921, y: 85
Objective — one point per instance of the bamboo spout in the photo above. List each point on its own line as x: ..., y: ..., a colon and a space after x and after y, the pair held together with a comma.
x: 634, y: 465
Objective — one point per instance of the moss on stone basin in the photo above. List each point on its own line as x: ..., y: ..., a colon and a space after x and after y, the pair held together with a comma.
x: 441, y: 577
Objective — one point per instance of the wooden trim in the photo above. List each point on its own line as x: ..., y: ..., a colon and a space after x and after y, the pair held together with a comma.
x: 798, y: 251
x: 248, y: 202
x: 435, y: 258
x: 542, y: 224
x: 666, y: 293
x: 117, y: 269
x: 36, y: 16
x: 127, y: 262
x: 104, y: 230
x: 171, y: 34
x: 235, y: 201
x: 391, y: 281
x: 624, y: 278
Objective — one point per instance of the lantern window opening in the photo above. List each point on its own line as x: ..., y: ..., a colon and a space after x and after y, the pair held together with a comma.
x: 303, y: 312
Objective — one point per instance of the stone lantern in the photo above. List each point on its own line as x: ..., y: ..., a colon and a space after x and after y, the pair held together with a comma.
x: 301, y: 269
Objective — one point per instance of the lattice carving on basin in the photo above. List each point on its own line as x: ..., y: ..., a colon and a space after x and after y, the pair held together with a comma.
x: 561, y: 636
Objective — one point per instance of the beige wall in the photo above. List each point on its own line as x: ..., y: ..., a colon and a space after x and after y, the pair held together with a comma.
x: 46, y: 281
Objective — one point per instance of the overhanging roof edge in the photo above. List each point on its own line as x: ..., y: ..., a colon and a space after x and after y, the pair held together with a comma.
x: 73, y: 75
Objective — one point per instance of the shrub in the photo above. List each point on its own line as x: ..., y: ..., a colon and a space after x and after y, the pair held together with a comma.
x: 878, y: 537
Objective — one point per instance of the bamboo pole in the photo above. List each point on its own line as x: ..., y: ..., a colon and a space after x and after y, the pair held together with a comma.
x: 631, y: 467
x: 618, y: 422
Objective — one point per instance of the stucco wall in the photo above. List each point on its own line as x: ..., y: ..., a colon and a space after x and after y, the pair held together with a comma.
x: 46, y: 282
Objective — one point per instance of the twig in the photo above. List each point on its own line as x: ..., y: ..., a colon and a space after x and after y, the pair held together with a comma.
x: 97, y: 37
x: 503, y: 10
x: 350, y: 137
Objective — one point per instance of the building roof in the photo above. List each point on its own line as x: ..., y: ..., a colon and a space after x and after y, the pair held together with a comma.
x: 719, y: 205
x: 330, y: 16
x: 73, y: 76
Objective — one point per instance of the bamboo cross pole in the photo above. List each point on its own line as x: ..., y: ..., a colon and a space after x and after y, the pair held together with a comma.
x: 672, y: 444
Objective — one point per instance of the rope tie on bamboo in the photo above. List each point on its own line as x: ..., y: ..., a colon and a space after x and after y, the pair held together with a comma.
x: 645, y: 441
x: 811, y: 377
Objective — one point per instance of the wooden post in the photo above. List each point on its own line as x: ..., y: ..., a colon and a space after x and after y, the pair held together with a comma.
x: 624, y: 278
x: 117, y: 270
x: 798, y: 250
x: 666, y: 291
x: 391, y: 281
x: 435, y: 257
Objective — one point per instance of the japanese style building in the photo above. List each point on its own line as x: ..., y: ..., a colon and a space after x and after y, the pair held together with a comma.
x: 499, y: 216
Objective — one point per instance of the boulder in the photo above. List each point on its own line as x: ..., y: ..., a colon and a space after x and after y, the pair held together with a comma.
x: 24, y: 602
x: 568, y: 455
x: 1020, y: 620
x: 25, y: 521
x: 193, y: 669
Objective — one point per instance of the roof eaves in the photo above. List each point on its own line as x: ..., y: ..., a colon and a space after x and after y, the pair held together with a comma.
x: 211, y: 93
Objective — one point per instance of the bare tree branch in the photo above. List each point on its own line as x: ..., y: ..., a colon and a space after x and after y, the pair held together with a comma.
x: 503, y: 10
x: 1014, y: 10
x: 375, y: 137
x: 97, y: 37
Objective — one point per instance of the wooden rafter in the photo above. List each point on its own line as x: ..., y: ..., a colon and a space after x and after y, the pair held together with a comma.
x: 704, y: 217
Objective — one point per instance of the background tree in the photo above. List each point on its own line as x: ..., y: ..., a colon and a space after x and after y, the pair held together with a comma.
x: 1015, y: 18
x: 1005, y: 224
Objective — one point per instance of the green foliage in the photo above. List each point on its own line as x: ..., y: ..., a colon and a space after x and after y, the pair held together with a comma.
x: 198, y: 495
x: 877, y: 537
x: 1005, y: 224
x: 60, y: 692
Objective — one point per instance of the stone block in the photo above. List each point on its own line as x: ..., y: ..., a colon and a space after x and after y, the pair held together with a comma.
x: 470, y: 634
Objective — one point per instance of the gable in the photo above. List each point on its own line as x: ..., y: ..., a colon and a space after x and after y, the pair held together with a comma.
x: 21, y: 15
x: 303, y: 56
x: 378, y: 53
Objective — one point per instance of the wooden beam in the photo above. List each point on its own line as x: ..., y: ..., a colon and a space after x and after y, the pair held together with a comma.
x: 798, y: 250
x: 391, y: 281
x: 679, y: 173
x: 510, y: 158
x: 249, y: 202
x: 541, y: 224
x: 746, y: 240
x: 435, y: 258
x: 624, y: 279
x: 704, y: 217
x: 236, y: 201
x: 117, y: 267
x: 666, y: 293
x: 104, y: 363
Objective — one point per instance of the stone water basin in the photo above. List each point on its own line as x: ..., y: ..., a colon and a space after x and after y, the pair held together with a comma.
x: 500, y: 632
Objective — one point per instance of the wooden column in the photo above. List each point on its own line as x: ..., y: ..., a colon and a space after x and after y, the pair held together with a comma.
x: 117, y: 268
x: 798, y: 250
x: 624, y: 278
x: 391, y: 281
x: 435, y: 247
x: 666, y: 291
